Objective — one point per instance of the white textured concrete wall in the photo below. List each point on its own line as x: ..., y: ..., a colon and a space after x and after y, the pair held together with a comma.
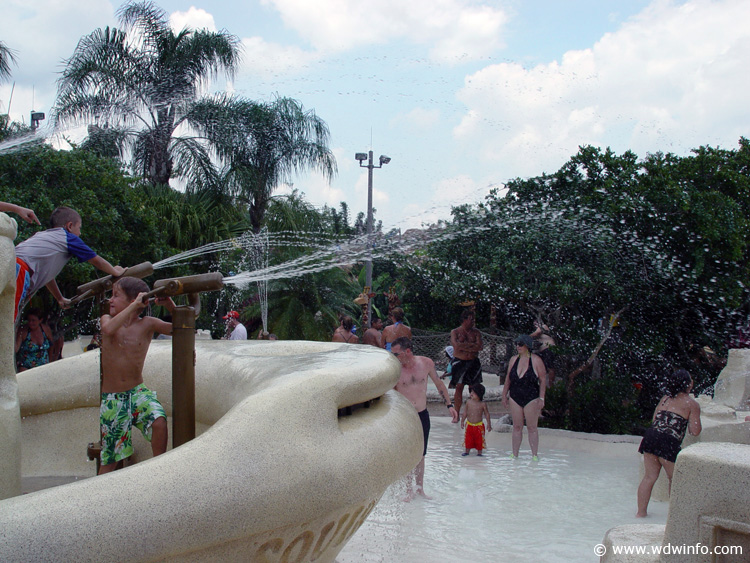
x: 10, y: 424
x: 732, y: 388
x: 277, y: 476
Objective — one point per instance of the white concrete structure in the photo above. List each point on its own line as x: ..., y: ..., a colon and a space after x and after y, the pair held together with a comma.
x: 274, y: 474
x: 10, y: 421
x: 709, y: 508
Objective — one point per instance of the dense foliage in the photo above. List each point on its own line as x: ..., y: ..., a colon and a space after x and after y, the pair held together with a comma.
x: 659, y: 243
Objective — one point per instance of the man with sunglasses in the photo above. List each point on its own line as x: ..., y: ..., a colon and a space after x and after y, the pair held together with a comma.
x: 413, y: 385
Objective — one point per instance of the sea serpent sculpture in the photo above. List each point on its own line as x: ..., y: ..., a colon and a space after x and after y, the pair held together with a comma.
x: 10, y: 421
x: 275, y: 473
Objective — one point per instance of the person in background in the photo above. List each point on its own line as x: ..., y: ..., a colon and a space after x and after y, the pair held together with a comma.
x: 676, y: 412
x: 33, y: 342
x: 235, y: 329
x: 373, y: 335
x: 344, y: 332
x: 397, y: 330
x: 466, y: 369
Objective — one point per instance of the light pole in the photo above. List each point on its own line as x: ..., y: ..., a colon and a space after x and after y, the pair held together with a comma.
x: 360, y: 156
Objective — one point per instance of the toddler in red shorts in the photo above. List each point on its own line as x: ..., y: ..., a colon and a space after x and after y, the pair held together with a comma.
x: 471, y: 419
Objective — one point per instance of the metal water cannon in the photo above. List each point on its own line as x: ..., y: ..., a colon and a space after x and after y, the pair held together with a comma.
x: 101, y: 285
x: 212, y: 281
x: 183, y: 347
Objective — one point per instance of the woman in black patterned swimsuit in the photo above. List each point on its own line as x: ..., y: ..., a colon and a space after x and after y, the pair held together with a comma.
x: 675, y: 413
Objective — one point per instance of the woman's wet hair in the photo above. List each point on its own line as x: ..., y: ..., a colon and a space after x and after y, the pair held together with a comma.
x: 347, y: 322
x: 677, y: 383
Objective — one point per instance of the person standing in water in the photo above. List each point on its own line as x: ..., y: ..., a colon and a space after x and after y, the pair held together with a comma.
x: 397, y: 330
x: 412, y: 384
x: 466, y: 369
x: 526, y: 384
x: 471, y: 419
x: 676, y: 412
x: 344, y: 332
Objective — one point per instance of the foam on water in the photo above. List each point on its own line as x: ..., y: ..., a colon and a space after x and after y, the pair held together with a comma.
x: 492, y: 508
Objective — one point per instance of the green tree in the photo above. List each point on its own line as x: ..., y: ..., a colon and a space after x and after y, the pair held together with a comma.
x: 140, y: 83
x: 266, y: 144
x: 662, y: 241
x: 7, y: 57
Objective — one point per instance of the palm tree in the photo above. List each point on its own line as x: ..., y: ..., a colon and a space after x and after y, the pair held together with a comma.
x: 140, y: 82
x: 7, y: 56
x: 266, y: 145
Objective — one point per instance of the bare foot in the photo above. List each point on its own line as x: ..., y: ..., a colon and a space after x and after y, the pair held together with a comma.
x: 420, y: 491
x: 639, y: 515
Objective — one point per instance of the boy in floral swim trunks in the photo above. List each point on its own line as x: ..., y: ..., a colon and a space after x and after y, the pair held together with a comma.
x: 126, y: 401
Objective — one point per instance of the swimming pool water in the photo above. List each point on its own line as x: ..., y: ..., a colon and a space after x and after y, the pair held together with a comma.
x: 492, y: 508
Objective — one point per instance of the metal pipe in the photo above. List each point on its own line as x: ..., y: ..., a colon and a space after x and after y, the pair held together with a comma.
x: 183, y: 375
x: 142, y: 270
x: 212, y: 281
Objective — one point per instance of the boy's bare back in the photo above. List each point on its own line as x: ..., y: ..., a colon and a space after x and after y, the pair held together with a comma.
x: 474, y: 410
x: 125, y: 341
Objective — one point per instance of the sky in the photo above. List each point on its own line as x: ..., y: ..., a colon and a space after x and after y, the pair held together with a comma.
x: 463, y: 95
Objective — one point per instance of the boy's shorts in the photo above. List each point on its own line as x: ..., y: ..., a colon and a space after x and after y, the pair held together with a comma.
x: 118, y: 413
x: 23, y: 282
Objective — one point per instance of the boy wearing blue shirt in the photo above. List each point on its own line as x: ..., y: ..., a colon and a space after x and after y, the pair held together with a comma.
x: 41, y: 257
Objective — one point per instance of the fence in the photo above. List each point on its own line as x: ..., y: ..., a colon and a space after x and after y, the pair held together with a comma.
x: 498, y: 348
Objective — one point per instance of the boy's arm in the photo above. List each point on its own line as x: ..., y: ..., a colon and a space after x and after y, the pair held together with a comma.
x: 101, y: 264
x: 487, y: 416
x: 57, y: 294
x: 110, y: 325
x: 23, y: 212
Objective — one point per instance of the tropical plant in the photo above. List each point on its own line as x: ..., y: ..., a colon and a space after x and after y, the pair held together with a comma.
x: 263, y: 145
x: 140, y: 83
x: 7, y: 56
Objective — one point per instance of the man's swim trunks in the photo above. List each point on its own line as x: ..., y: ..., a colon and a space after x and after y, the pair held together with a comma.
x: 118, y: 413
x: 424, y: 418
x: 474, y: 436
x: 467, y: 372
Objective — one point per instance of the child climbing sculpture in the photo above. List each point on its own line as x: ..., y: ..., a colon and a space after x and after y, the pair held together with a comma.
x: 41, y: 257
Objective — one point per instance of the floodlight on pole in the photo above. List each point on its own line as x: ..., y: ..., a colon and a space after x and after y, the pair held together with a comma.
x: 360, y: 156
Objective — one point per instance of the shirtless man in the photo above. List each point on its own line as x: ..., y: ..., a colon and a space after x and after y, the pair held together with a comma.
x: 372, y: 335
x: 396, y: 330
x: 466, y: 368
x: 344, y: 332
x: 125, y: 401
x: 413, y: 385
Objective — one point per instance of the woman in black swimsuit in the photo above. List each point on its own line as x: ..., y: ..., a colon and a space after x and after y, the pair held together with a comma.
x: 526, y: 383
x: 675, y: 413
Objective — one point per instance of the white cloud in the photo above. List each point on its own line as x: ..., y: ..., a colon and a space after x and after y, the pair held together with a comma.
x: 454, y: 30
x: 43, y: 33
x: 668, y: 79
x: 266, y: 60
x: 194, y: 18
x: 418, y: 119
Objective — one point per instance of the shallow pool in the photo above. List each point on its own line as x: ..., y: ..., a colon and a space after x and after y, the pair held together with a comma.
x: 492, y: 508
